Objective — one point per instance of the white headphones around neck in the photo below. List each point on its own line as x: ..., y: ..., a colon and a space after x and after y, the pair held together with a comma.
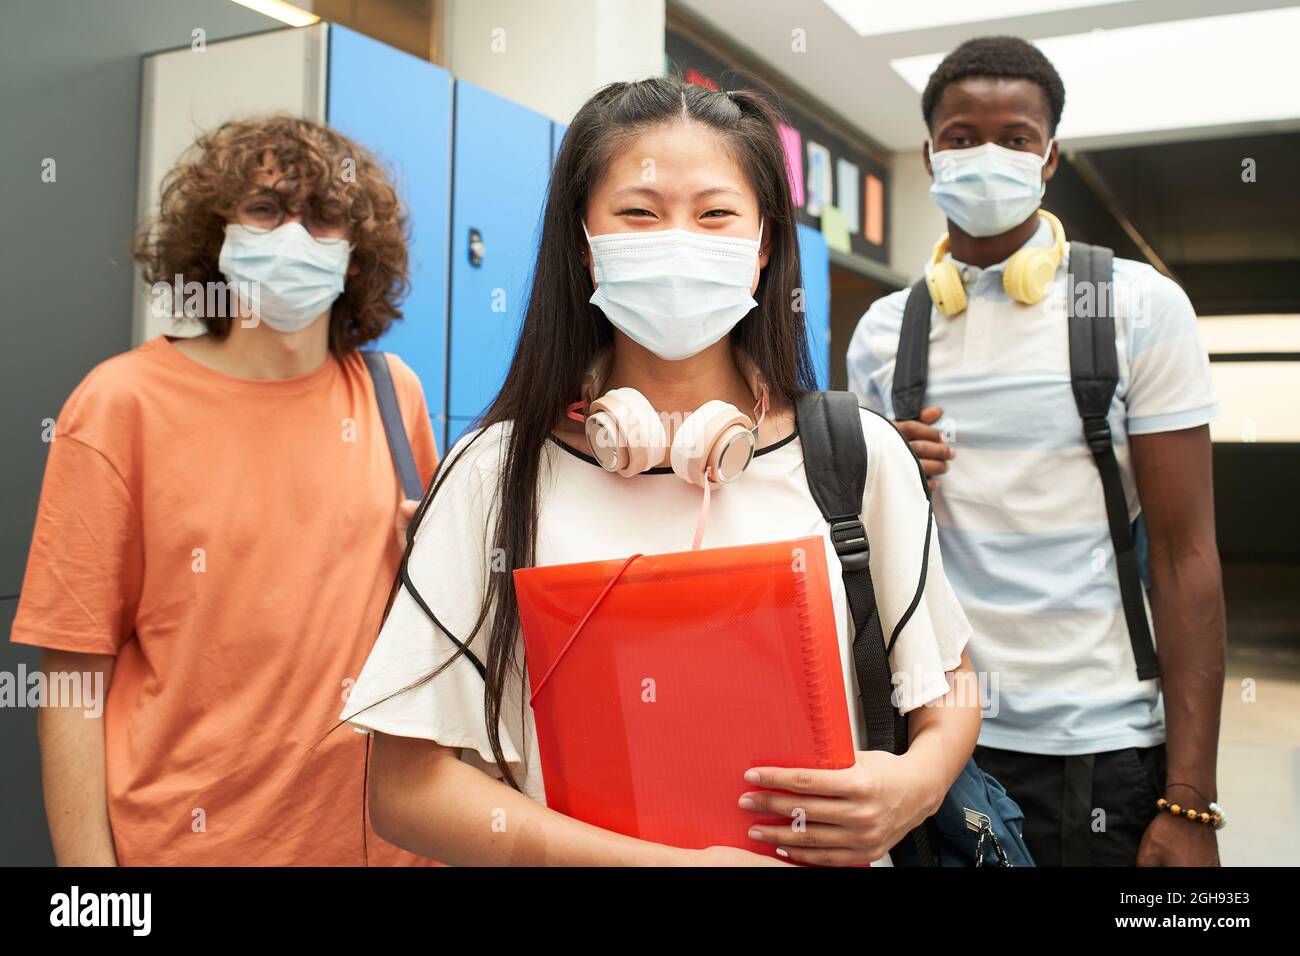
x: 627, y: 435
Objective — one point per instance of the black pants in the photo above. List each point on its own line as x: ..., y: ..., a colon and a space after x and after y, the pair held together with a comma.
x: 1086, y: 810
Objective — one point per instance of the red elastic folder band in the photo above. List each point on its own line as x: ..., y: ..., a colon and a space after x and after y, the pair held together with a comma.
x: 574, y: 636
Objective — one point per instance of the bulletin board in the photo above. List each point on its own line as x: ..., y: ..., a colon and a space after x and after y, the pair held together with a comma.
x: 838, y: 188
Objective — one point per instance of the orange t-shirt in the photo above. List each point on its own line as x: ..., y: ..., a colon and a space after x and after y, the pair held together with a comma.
x: 231, y: 541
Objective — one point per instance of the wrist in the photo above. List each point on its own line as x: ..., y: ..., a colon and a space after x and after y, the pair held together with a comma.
x: 931, y: 784
x: 663, y: 855
x: 1210, y: 814
x: 1188, y: 787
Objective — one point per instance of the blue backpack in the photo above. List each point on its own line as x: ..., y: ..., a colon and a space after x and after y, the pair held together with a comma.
x: 978, y: 822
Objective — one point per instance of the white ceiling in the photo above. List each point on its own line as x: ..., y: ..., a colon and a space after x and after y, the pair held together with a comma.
x: 852, y: 73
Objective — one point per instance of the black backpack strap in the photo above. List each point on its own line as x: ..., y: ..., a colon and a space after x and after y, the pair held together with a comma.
x: 912, y: 361
x: 1094, y: 375
x: 399, y: 446
x: 835, y: 460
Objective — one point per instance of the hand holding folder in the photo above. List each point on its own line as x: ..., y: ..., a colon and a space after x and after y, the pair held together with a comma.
x: 658, y: 680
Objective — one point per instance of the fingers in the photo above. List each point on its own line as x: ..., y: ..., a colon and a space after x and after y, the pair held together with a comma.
x: 933, y: 455
x: 828, y: 783
x: 401, y: 521
x: 819, y: 843
x: 923, y: 430
x: 916, y: 431
x: 823, y: 835
x: 928, y: 444
x: 830, y: 857
x: 794, y: 806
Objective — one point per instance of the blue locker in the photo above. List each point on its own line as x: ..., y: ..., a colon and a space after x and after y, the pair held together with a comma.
x: 501, y: 163
x: 815, y: 257
x: 399, y: 107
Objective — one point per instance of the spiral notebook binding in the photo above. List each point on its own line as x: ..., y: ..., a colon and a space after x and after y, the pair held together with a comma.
x: 814, y: 669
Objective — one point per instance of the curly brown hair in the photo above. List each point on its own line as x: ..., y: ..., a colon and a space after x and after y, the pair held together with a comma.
x: 313, y: 166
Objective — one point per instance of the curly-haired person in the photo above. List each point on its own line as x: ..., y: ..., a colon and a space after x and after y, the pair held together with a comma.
x: 220, y: 521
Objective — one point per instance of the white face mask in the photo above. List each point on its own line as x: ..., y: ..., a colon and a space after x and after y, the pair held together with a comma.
x: 674, y: 291
x: 987, y: 190
x: 297, y: 276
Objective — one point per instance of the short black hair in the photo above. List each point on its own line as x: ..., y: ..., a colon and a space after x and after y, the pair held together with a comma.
x: 995, y: 56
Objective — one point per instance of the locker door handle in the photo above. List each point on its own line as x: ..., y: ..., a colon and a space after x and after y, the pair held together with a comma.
x: 476, y: 248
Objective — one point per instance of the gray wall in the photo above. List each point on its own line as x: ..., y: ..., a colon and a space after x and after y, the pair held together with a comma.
x: 70, y: 72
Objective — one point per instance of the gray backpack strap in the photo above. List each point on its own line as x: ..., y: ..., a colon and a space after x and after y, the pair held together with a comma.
x: 1094, y: 375
x: 399, y: 446
x: 912, y: 362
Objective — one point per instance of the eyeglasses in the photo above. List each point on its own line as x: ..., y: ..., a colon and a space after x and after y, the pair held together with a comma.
x: 325, y: 221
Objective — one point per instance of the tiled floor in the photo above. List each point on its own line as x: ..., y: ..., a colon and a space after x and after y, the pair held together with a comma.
x: 1259, y: 750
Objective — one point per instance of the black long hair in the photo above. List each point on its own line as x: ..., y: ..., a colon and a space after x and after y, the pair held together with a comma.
x: 562, y: 331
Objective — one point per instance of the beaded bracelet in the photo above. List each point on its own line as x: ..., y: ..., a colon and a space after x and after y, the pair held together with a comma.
x: 1215, y: 817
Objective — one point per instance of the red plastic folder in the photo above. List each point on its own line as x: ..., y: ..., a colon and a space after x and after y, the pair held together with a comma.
x: 657, y: 681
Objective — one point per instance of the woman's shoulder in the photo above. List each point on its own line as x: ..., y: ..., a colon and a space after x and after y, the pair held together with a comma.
x: 482, y: 447
x: 887, y: 447
x: 878, y: 430
x: 880, y: 434
x: 474, y: 463
x: 464, y: 490
x: 480, y: 453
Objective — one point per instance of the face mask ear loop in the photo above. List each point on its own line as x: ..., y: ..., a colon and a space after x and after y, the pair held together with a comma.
x: 1043, y: 190
x: 591, y: 252
x: 704, y: 510
x: 577, y: 411
x: 760, y: 408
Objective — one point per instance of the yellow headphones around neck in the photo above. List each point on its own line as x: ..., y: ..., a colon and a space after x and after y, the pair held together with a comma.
x: 1027, y: 277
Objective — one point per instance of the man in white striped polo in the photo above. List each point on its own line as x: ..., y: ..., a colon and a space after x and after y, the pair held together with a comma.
x: 1094, y: 746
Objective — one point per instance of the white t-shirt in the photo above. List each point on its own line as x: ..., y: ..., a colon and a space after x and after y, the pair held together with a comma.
x: 588, y: 514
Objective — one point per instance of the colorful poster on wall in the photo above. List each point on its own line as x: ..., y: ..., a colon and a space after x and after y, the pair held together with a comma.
x: 847, y: 176
x: 875, y: 211
x: 819, y: 178
x: 836, y: 230
x: 834, y: 182
x: 793, y: 145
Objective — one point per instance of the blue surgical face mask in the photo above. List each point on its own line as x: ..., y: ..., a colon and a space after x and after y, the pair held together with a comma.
x: 987, y: 190
x: 297, y: 277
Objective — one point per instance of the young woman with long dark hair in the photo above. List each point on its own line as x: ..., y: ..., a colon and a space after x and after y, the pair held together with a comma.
x: 668, y: 264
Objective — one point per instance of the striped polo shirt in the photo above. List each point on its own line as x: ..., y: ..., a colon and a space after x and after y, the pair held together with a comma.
x: 1021, y: 515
